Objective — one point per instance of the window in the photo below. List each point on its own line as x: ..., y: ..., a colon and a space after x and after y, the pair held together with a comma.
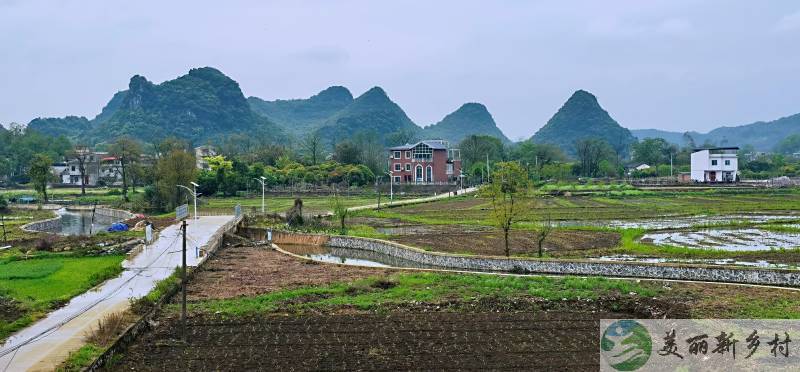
x: 398, y: 167
x: 396, y: 155
x: 449, y: 168
x: 396, y: 179
x: 408, y: 167
x: 423, y: 152
x: 713, y: 162
x: 408, y: 154
x: 429, y: 174
x: 727, y: 162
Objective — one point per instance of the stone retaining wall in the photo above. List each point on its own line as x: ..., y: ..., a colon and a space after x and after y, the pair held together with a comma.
x: 574, y: 267
x: 48, y: 225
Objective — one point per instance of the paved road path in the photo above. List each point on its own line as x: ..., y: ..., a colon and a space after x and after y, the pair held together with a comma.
x: 48, y: 342
x: 413, y: 201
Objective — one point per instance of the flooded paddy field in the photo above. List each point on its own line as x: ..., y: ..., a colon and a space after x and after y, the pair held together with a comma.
x: 745, y: 239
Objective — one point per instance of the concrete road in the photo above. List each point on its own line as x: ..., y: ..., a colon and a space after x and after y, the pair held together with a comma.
x: 396, y: 203
x: 48, y: 342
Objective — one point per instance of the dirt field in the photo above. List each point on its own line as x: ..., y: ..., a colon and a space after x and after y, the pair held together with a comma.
x: 247, y: 271
x: 450, y: 239
x: 403, y: 341
x: 458, y: 333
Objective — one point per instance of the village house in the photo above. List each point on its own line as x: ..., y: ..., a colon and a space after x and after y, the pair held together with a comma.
x: 100, y: 168
x: 719, y: 164
x: 200, y: 153
x: 425, y: 162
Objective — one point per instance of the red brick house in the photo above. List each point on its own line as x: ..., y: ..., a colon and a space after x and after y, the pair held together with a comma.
x: 425, y: 162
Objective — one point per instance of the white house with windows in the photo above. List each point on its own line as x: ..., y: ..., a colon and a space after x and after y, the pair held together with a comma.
x: 719, y: 164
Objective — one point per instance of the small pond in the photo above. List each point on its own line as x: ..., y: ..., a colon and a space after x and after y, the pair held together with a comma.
x: 82, y: 222
x: 349, y: 256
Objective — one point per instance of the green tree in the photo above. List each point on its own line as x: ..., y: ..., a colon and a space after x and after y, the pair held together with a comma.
x: 535, y: 156
x: 340, y: 211
x: 177, y: 167
x: 347, y: 152
x: 476, y: 148
x: 128, y: 151
x: 40, y: 175
x: 591, y: 152
x: 508, y: 185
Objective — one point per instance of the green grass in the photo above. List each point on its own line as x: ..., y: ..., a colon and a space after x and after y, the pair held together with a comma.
x: 14, y: 219
x: 81, y: 358
x: 41, y: 284
x: 367, y: 294
x: 161, y: 289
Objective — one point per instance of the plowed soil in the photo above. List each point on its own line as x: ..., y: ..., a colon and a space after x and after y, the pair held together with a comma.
x: 401, y: 341
x: 450, y: 239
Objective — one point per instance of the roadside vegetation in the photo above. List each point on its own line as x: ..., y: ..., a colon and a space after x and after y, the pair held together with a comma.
x: 384, y: 294
x: 30, y: 288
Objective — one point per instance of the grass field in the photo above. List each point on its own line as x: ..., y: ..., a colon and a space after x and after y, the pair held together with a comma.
x: 31, y: 288
x: 14, y: 219
x: 378, y: 293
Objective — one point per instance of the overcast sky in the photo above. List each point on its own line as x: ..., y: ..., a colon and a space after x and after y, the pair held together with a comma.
x: 677, y: 65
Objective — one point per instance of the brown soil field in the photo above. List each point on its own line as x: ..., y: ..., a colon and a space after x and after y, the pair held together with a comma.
x: 450, y: 239
x: 455, y: 334
x: 399, y: 341
x: 248, y: 271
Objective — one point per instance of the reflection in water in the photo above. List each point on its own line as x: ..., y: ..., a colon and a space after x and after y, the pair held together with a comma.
x: 727, y: 239
x: 349, y: 256
x: 82, y: 222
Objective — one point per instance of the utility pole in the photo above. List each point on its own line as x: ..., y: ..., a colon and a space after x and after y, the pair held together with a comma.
x: 391, y: 187
x: 670, y: 163
x: 263, y: 188
x: 183, y: 285
x: 488, y: 175
x: 3, y: 222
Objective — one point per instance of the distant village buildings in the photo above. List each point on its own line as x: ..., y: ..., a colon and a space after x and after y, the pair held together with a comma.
x: 100, y: 168
x: 200, y: 153
x: 719, y: 164
x: 425, y: 162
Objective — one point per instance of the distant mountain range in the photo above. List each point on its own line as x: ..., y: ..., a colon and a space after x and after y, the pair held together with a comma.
x: 582, y: 117
x: 203, y: 105
x: 206, y: 106
x: 763, y: 136
x: 336, y: 115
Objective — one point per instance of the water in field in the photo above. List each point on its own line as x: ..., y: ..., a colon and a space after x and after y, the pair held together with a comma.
x: 722, y: 262
x: 82, y: 222
x: 682, y: 222
x: 748, y: 239
x: 348, y: 256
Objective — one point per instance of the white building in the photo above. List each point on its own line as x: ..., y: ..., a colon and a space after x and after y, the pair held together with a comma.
x: 200, y: 153
x: 719, y: 164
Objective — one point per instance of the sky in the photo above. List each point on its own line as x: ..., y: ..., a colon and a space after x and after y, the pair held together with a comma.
x: 674, y: 65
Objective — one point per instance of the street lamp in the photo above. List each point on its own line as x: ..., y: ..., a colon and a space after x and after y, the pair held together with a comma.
x: 263, y: 186
x: 391, y: 184
x: 461, y: 176
x: 194, y: 193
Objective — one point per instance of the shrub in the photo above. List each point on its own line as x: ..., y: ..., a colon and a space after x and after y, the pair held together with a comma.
x: 107, y: 329
x: 3, y: 204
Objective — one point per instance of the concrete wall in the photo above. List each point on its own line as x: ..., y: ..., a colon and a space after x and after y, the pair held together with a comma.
x: 574, y: 267
x: 48, y: 225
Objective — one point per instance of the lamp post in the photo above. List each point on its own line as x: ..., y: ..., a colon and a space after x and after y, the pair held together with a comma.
x: 194, y: 193
x: 461, y: 176
x: 263, y: 187
x: 391, y: 184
